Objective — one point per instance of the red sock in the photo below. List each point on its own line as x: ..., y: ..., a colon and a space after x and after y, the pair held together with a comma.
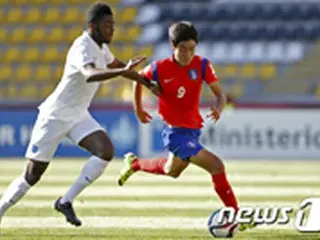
x: 224, y: 190
x: 155, y: 166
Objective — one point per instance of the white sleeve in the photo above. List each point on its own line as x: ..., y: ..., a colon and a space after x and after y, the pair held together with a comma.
x: 108, y: 55
x: 81, y: 55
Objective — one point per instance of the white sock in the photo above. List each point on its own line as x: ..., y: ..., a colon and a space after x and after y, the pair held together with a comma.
x: 90, y: 172
x: 16, y: 190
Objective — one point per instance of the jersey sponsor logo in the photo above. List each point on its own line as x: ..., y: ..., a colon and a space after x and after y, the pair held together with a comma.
x: 193, y: 74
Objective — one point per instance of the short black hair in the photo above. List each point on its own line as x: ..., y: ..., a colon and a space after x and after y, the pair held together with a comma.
x: 97, y: 10
x: 182, y: 31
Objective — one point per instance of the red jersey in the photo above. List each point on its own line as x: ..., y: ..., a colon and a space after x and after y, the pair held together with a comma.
x: 181, y: 88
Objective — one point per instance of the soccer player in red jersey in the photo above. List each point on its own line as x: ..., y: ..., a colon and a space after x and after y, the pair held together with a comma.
x: 180, y: 77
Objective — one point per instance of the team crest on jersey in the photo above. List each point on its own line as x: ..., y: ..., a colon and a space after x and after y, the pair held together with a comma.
x: 193, y: 73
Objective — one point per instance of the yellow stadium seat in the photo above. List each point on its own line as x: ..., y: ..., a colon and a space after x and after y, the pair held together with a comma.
x: 133, y: 33
x: 2, y: 2
x: 58, y: 1
x: 114, y: 50
x: 21, y: 2
x: 127, y: 53
x: 12, y: 54
x: 31, y: 54
x: 318, y: 91
x: 63, y: 54
x: 268, y: 71
x: 126, y: 93
x: 248, y: 71
x: 33, y: 15
x: 6, y: 72
x: 37, y: 35
x: 3, y: 35
x: 46, y: 90
x: 72, y: 15
x: 104, y: 90
x: 51, y: 54
x: 55, y: 35
x: 14, y: 15
x: 236, y: 90
x: 118, y: 35
x: 117, y: 92
x: 18, y: 35
x: 128, y: 15
x: 43, y: 73
x: 2, y: 16
x: 58, y: 72
x: 218, y: 69
x: 24, y: 73
x: 12, y: 91
x: 230, y: 71
x: 38, y: 2
x: 29, y: 91
x: 146, y: 50
x: 74, y: 32
x: 52, y: 15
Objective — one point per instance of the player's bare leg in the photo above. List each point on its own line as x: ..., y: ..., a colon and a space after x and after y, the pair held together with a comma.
x: 99, y: 144
x: 20, y: 186
x: 172, y: 166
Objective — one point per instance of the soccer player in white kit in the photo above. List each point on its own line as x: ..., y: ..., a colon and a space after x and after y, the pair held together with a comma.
x: 65, y: 113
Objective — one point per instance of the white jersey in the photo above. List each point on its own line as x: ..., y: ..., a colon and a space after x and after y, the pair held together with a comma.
x: 73, y: 95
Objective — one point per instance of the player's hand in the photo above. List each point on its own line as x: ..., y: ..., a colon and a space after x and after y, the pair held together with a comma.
x: 214, y: 114
x: 143, y: 116
x: 134, y: 62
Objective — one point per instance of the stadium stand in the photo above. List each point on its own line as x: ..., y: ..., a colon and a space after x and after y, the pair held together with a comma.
x: 258, y: 48
x: 35, y: 39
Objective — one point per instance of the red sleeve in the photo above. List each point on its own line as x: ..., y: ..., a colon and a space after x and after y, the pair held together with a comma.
x: 210, y: 75
x: 147, y: 72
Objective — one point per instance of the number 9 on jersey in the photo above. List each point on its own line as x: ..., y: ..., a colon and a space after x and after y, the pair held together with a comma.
x: 181, y: 92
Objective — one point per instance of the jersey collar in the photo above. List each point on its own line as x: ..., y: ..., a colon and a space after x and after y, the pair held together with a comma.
x: 174, y: 61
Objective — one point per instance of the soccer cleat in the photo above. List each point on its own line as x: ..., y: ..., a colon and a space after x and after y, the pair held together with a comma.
x: 67, y: 210
x: 127, y: 171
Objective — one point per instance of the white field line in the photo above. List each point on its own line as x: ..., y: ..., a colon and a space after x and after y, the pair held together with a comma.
x: 258, y: 178
x: 153, y: 204
x: 101, y: 191
x: 274, y: 164
x: 116, y: 222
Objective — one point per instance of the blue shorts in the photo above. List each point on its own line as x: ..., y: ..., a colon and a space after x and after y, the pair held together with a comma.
x: 182, y: 142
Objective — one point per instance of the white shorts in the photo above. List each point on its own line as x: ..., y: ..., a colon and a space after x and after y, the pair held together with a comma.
x: 48, y: 133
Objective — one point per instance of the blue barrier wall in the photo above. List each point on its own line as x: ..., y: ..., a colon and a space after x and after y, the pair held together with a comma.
x: 16, y: 127
x: 239, y: 134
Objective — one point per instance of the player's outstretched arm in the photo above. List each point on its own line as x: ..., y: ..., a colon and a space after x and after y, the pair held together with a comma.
x: 142, y: 115
x: 94, y: 74
x: 218, y: 91
x: 135, y: 76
